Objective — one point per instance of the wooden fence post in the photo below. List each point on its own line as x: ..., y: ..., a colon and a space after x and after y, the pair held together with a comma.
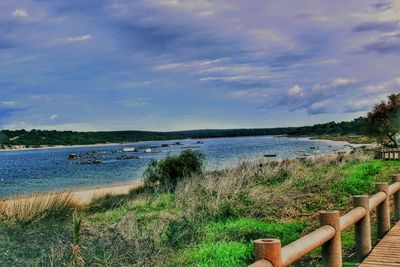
x: 362, y: 229
x: 396, y: 199
x: 383, y: 211
x: 332, y: 250
x: 268, y: 249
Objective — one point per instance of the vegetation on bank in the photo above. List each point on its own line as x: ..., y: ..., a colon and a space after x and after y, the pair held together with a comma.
x: 35, y: 138
x: 352, y: 139
x: 208, y: 219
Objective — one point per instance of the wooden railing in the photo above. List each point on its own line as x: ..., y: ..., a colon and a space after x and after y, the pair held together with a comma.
x: 389, y: 153
x: 269, y: 253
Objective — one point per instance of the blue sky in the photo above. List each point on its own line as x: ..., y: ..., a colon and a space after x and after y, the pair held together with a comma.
x: 174, y: 64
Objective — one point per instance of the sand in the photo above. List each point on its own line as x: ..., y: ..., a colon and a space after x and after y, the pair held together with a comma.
x: 85, y: 196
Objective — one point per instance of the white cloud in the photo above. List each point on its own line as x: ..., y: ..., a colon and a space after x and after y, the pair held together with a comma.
x: 135, y: 84
x: 259, y: 94
x: 74, y: 39
x: 324, y: 106
x: 222, y: 70
x: 263, y: 38
x: 54, y: 116
x: 384, y: 87
x: 8, y: 103
x: 296, y: 91
x: 341, y: 82
x: 133, y: 103
x: 20, y: 13
x: 362, y: 104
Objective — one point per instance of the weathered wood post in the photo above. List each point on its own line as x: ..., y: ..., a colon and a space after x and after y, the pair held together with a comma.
x: 396, y: 199
x: 383, y: 211
x: 362, y: 229
x: 332, y: 250
x: 268, y: 249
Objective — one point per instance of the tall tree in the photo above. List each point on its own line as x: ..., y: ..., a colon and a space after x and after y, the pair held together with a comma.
x: 384, y: 121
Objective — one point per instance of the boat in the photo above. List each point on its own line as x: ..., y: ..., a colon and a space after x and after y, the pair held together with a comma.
x: 164, y: 145
x: 270, y: 155
x: 73, y: 156
x: 147, y: 150
x: 200, y: 142
x: 129, y: 149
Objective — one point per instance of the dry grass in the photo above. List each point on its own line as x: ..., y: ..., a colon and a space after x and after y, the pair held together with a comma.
x: 27, y: 209
x: 265, y: 189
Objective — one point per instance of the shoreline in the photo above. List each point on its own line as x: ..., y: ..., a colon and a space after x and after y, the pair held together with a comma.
x: 45, y: 147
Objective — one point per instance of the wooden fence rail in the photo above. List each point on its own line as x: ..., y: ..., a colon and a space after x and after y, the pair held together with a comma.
x: 269, y: 253
x: 390, y: 153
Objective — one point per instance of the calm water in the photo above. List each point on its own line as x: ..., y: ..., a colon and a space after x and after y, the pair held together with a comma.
x: 23, y: 172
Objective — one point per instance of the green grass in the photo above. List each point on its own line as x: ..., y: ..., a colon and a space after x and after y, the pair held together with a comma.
x: 247, y: 229
x: 359, y: 178
x: 221, y: 253
x: 229, y: 242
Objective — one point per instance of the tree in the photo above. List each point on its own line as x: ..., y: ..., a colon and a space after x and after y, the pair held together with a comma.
x: 384, y: 121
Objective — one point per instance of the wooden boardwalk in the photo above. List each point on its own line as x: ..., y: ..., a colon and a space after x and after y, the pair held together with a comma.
x: 387, y: 252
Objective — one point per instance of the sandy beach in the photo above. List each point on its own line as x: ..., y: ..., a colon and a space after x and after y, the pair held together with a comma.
x: 85, y: 196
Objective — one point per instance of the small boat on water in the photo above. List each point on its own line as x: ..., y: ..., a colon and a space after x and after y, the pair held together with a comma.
x: 270, y: 155
x: 200, y: 142
x: 129, y: 149
x: 147, y: 150
x: 164, y: 145
x: 73, y: 156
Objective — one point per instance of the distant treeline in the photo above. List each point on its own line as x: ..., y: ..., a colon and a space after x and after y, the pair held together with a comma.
x: 44, y: 137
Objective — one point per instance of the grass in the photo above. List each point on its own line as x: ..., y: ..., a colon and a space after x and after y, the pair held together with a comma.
x: 222, y: 253
x: 209, y: 220
x: 28, y: 209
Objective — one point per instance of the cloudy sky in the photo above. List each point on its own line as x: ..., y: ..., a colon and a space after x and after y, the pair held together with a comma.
x: 176, y: 64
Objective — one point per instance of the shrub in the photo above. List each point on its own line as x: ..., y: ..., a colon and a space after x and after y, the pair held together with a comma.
x: 166, y: 173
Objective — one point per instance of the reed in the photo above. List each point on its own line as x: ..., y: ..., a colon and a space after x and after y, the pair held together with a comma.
x: 30, y: 208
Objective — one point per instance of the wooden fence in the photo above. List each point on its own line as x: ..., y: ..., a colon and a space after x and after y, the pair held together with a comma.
x: 390, y: 153
x: 269, y: 253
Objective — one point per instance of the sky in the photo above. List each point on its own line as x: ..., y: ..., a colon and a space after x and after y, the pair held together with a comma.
x: 175, y: 64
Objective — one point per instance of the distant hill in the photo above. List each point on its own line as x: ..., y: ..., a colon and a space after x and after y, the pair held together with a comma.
x: 34, y: 138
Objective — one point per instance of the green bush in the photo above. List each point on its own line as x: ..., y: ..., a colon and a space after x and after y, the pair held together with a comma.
x: 165, y: 174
